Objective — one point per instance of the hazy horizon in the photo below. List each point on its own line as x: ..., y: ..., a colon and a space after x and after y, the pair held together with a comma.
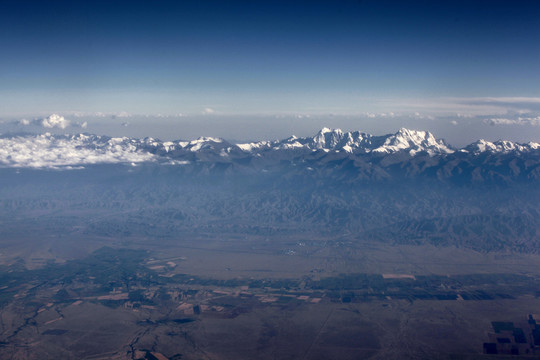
x: 327, y: 245
x: 261, y: 70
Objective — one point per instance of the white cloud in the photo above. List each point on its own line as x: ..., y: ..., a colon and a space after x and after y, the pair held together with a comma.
x: 55, y: 120
x: 501, y: 105
x: 208, y: 111
x: 473, y: 106
x: 77, y: 114
x: 533, y: 121
x: 371, y: 115
x: 499, y: 121
x: 50, y: 151
x: 123, y: 114
x: 421, y: 116
x: 454, y: 122
x: 507, y: 100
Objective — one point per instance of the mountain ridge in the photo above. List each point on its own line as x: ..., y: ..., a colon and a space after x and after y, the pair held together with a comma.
x: 48, y: 150
x: 484, y: 197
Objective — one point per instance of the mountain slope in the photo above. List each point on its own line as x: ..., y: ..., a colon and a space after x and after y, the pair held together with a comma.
x: 406, y: 188
x: 408, y: 153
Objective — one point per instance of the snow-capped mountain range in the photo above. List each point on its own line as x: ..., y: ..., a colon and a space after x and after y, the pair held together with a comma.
x: 408, y: 187
x: 357, y: 142
x: 65, y: 151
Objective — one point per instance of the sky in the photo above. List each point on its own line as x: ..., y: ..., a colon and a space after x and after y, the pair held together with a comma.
x: 264, y: 69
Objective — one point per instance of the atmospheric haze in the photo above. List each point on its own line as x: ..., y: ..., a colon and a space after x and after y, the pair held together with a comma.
x: 269, y: 179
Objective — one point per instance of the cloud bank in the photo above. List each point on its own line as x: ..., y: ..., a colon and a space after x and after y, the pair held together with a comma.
x: 49, y: 151
x: 53, y: 121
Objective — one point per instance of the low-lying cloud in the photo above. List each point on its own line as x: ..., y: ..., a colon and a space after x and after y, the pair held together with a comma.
x: 48, y: 151
x: 53, y: 121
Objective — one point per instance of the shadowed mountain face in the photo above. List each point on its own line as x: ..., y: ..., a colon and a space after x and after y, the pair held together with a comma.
x: 407, y: 188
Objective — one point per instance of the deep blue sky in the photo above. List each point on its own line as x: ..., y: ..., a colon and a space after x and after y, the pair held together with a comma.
x: 262, y: 57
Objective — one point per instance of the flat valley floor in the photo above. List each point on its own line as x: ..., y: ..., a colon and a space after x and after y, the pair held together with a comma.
x: 279, y: 297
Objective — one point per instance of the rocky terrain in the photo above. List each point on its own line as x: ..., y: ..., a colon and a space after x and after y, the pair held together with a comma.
x: 406, y: 188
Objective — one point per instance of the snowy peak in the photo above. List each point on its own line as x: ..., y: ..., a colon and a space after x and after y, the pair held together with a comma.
x: 327, y: 139
x: 404, y: 140
x: 205, y: 143
x: 63, y: 151
x: 413, y: 141
x: 500, y: 146
x: 200, y: 144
